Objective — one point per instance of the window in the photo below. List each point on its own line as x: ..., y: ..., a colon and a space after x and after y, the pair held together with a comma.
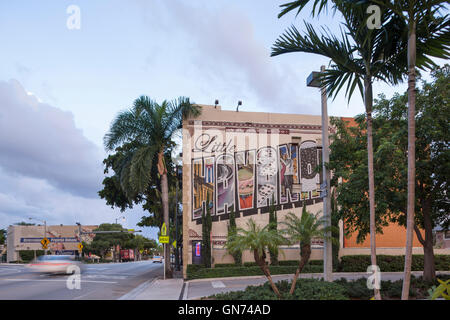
x: 447, y: 234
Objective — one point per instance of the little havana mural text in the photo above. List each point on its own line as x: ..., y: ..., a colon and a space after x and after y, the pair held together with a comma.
x: 246, y: 181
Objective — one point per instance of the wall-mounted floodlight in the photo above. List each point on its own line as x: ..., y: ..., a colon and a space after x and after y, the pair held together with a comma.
x: 239, y: 104
x: 216, y: 103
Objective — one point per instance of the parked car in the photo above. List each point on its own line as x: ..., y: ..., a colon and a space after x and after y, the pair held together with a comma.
x: 157, y: 259
x: 55, y: 264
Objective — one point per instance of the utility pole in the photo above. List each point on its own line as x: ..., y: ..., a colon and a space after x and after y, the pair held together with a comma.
x: 313, y: 81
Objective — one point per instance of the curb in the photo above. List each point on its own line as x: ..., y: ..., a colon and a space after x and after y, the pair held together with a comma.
x: 138, y: 290
x: 307, y: 274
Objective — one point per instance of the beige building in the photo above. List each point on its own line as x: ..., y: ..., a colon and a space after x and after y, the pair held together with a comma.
x: 240, y: 161
x: 63, y: 239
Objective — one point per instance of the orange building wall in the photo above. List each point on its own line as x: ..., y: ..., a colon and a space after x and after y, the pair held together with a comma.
x: 394, y: 236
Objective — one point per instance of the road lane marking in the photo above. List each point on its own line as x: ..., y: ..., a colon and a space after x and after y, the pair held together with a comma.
x: 218, y: 284
x: 56, y: 280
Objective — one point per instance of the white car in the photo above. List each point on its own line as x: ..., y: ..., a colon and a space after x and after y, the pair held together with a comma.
x: 157, y: 259
x: 55, y: 264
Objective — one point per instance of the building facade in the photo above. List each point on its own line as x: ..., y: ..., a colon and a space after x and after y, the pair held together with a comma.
x: 241, y: 161
x: 63, y: 239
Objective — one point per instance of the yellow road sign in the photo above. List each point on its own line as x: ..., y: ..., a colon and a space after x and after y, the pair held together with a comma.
x: 80, y: 247
x: 164, y: 239
x: 45, y: 243
x: 174, y: 244
x: 164, y: 229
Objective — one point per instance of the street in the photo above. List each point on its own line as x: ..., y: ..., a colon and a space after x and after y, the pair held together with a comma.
x: 106, y: 281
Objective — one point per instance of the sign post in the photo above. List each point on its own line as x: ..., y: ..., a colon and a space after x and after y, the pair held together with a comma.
x: 164, y: 239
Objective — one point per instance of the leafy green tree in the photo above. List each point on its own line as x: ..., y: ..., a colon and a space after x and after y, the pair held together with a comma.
x: 391, y: 145
x: 22, y: 223
x: 150, y: 127
x: 302, y: 230
x: 257, y: 239
x: 103, y: 242
x: 415, y: 13
x: 360, y: 57
x: 273, y: 225
x: 232, y: 229
x: 206, y: 235
x: 3, y: 234
x: 335, y: 233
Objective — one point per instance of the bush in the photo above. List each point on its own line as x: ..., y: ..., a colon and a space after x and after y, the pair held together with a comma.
x: 356, y: 289
x: 28, y: 255
x: 306, y: 289
x: 359, y: 263
x: 200, y: 272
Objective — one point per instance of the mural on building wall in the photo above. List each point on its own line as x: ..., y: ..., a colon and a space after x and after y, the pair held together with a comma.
x: 225, y: 183
x: 203, y: 185
x: 266, y: 164
x: 248, y: 180
x: 288, y: 169
x: 310, y: 179
x: 245, y: 168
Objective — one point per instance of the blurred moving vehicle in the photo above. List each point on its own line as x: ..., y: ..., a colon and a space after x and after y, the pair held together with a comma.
x: 55, y: 264
x: 157, y: 259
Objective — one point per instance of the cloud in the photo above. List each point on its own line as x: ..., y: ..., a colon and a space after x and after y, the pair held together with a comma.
x: 224, y: 46
x: 42, y: 141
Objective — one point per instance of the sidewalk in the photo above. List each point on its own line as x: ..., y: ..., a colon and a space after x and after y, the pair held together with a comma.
x: 178, y: 289
x: 158, y: 289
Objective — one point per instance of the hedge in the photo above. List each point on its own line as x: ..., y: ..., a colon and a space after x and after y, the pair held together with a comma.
x: 200, y: 272
x: 359, y: 263
x: 306, y: 289
x: 28, y: 255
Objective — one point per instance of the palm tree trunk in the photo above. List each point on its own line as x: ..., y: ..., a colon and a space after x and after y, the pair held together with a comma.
x: 368, y: 101
x: 411, y: 158
x: 165, y: 204
x: 262, y: 264
x: 305, y: 254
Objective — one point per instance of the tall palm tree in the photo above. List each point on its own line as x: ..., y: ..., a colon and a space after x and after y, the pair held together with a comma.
x: 150, y: 126
x: 302, y: 230
x: 414, y: 13
x: 257, y: 239
x: 361, y: 56
x: 380, y: 55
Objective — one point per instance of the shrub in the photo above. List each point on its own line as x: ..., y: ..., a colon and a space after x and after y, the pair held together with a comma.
x: 200, y: 272
x: 306, y: 289
x: 356, y: 289
x: 359, y: 263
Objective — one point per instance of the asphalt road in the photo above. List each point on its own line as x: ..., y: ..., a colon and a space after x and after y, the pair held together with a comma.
x: 108, y: 281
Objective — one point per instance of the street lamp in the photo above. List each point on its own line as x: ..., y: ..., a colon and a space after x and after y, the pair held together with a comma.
x: 122, y: 217
x: 314, y: 81
x: 45, y: 230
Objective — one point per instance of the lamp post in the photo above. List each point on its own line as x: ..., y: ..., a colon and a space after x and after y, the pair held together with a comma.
x: 122, y: 217
x: 314, y: 81
x: 45, y: 230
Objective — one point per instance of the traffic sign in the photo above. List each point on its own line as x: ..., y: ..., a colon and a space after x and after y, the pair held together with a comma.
x: 164, y: 229
x: 45, y: 243
x: 80, y: 247
x: 164, y: 239
x: 174, y: 244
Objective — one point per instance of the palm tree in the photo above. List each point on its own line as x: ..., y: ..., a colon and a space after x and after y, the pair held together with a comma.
x: 150, y: 126
x: 380, y: 56
x: 257, y: 239
x: 302, y: 230
x: 416, y: 13
x: 368, y: 57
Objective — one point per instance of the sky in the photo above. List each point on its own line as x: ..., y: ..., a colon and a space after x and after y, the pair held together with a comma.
x: 61, y: 87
